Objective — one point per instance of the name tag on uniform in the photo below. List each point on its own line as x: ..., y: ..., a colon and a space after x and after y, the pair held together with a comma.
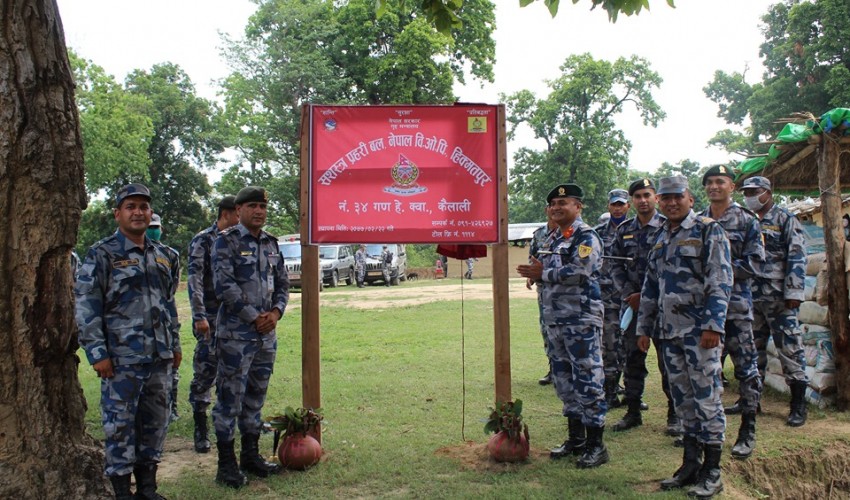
x: 165, y: 262
x: 124, y: 263
x: 690, y: 243
x: 584, y: 251
x: 628, y: 236
x: 245, y: 253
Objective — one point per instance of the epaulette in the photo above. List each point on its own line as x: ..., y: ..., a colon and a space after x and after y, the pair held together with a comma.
x: 705, y: 220
x: 227, y: 231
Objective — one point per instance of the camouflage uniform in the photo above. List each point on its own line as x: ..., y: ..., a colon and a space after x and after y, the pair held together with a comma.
x: 385, y: 266
x: 611, y: 336
x: 635, y: 241
x: 360, y: 266
x: 747, y: 248
x: 541, y: 239
x: 125, y: 312
x: 572, y: 314
x: 780, y: 278
x: 250, y: 278
x: 686, y: 290
x: 204, y: 305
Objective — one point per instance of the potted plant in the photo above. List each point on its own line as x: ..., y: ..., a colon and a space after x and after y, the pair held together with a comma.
x: 299, y: 449
x: 510, y: 441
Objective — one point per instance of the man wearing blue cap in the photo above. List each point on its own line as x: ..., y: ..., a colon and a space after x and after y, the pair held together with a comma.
x: 128, y: 328
x: 618, y: 208
x: 572, y: 313
x: 778, y: 289
x: 686, y: 293
x: 745, y: 240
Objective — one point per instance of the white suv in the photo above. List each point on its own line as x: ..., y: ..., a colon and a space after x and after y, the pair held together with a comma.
x: 291, y: 252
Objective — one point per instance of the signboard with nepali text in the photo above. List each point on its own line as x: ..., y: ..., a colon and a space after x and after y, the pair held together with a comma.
x: 404, y: 174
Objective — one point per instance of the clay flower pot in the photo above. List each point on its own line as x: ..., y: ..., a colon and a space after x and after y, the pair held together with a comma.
x: 298, y: 452
x: 503, y: 448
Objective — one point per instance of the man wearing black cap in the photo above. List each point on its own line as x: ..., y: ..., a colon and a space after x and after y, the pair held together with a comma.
x: 778, y: 290
x: 618, y: 208
x: 128, y: 328
x: 572, y: 313
x: 252, y: 285
x: 205, y: 305
x: 634, y: 240
x: 745, y: 240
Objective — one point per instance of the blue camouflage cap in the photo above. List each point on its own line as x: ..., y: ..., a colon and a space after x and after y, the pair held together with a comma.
x: 672, y: 185
x: 134, y: 189
x: 618, y: 196
x: 756, y: 182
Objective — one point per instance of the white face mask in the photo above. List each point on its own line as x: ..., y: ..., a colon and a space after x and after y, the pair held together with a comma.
x: 753, y: 203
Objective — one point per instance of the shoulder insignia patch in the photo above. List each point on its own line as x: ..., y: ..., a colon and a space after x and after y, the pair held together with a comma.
x: 584, y: 251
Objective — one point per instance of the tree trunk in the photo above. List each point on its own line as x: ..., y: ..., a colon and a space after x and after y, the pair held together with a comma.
x: 829, y: 175
x: 45, y: 451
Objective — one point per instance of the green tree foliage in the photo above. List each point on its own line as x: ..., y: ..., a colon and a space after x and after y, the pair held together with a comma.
x: 116, y: 131
x: 805, y: 53
x: 576, y: 123
x: 319, y: 51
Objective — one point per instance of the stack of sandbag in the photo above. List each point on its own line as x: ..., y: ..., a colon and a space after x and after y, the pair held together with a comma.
x: 816, y: 337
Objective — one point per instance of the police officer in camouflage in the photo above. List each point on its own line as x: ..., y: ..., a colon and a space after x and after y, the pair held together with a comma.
x: 778, y: 289
x: 572, y: 313
x: 204, y: 306
x: 540, y: 240
x: 631, y: 247
x: 253, y: 288
x: 128, y: 328
x: 618, y: 208
x: 745, y: 240
x: 360, y: 265
x: 686, y: 292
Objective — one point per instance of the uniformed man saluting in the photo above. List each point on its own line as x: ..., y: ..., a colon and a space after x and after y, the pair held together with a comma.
x: 572, y: 315
x: 128, y: 326
x: 253, y: 288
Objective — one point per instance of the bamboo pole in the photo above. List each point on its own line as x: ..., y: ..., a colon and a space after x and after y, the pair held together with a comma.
x: 501, y: 309
x: 829, y: 172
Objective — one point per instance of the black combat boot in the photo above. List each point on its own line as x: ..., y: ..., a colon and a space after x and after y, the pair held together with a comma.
x: 631, y: 419
x: 575, y: 442
x: 674, y: 425
x: 611, y: 393
x: 146, y: 482
x: 121, y: 485
x: 799, y: 411
x: 709, y: 483
x: 735, y: 409
x: 228, y: 471
x: 746, y: 442
x: 547, y: 379
x: 202, y: 438
x: 252, y: 461
x: 688, y: 473
x: 595, y: 452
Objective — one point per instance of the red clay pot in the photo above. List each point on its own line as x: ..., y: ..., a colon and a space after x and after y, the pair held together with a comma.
x: 299, y: 452
x: 504, y: 449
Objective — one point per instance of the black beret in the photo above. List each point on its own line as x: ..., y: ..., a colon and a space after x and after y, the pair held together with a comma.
x: 251, y: 194
x: 132, y: 190
x: 641, y: 184
x: 228, y: 202
x: 718, y: 170
x: 566, y: 191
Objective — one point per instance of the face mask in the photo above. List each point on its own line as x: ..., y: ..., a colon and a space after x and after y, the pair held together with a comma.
x: 154, y: 234
x: 753, y: 203
x: 617, y: 220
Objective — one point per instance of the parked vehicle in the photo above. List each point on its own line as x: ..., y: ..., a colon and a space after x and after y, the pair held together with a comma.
x: 337, y: 262
x: 291, y: 252
x: 374, y: 267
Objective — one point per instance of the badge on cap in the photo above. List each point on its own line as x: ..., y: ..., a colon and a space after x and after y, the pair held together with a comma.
x: 646, y: 182
x: 721, y: 169
x: 562, y: 191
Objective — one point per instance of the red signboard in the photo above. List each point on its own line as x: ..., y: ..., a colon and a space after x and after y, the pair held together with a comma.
x: 404, y: 174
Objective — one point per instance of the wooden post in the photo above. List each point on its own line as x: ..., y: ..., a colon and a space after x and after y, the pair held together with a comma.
x: 311, y: 391
x: 501, y: 309
x: 829, y: 179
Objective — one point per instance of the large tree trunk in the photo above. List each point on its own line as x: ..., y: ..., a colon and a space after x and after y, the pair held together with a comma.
x: 44, y: 449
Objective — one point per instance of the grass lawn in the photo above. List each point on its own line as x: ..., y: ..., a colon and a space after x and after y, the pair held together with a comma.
x: 397, y: 423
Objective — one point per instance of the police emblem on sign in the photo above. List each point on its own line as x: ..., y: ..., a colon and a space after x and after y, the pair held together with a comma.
x: 404, y: 174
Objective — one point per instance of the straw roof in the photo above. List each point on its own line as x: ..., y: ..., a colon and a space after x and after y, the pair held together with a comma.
x: 796, y: 168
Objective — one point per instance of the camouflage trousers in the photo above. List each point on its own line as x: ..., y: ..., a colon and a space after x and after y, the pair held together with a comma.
x: 244, y: 370
x: 696, y: 386
x: 771, y: 318
x: 204, y: 367
x: 577, y: 372
x: 134, y: 406
x: 742, y: 350
x: 360, y: 273
x: 635, y: 372
x: 611, y: 340
x: 546, y: 347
